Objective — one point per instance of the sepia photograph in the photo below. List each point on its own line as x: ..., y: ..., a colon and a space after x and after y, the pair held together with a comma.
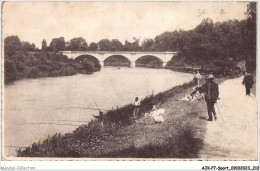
x: 129, y: 81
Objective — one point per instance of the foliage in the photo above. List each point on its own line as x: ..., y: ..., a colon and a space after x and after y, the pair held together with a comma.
x: 57, y: 44
x: 104, y: 45
x: 44, y: 45
x: 147, y: 45
x: 12, y: 44
x: 25, y: 64
x: 116, y: 45
x: 26, y: 46
x: 77, y: 44
x: 249, y: 34
x: 132, y: 46
x: 93, y: 47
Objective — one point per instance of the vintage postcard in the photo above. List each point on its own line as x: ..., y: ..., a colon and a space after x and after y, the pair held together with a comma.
x: 129, y: 81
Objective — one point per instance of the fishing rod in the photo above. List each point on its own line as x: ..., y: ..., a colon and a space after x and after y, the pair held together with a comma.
x: 90, y: 108
x: 95, y: 102
x: 14, y: 146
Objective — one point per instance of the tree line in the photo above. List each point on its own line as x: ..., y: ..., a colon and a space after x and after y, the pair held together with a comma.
x: 220, y: 44
x: 23, y: 60
x: 221, y: 41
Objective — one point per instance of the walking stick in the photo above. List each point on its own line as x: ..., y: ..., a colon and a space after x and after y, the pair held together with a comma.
x: 252, y: 98
x: 219, y: 112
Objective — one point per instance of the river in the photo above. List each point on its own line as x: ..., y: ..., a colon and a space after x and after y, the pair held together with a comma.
x: 36, y: 108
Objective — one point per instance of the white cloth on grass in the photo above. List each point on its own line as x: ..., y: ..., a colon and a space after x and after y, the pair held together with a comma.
x: 158, y: 115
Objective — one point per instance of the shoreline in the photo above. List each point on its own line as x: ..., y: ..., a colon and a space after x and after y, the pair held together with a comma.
x: 91, y: 141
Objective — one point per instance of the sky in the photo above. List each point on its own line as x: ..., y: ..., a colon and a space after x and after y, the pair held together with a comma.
x: 35, y: 21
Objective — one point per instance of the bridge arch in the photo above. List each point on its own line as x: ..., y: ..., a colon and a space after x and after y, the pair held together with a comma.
x: 81, y: 59
x: 121, y: 60
x: 85, y: 56
x: 149, y: 61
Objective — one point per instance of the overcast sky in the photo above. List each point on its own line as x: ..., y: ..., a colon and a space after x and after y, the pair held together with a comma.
x: 35, y: 21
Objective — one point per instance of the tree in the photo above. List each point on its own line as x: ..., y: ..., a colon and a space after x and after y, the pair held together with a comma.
x: 250, y: 35
x: 104, y: 45
x: 135, y: 44
x: 205, y: 26
x: 12, y: 44
x: 44, y: 45
x: 57, y: 44
x: 166, y: 41
x: 116, y: 45
x: 132, y: 46
x: 93, y: 46
x: 26, y: 46
x: 147, y: 45
x: 78, y: 43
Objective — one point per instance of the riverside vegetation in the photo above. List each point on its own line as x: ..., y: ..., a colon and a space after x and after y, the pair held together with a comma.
x: 210, y: 47
x: 20, y: 63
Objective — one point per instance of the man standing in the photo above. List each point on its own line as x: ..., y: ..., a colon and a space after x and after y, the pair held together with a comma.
x: 248, y: 82
x: 195, y: 79
x: 136, y: 108
x: 210, y: 88
x: 198, y: 78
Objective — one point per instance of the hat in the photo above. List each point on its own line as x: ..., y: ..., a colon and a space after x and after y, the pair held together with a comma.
x: 210, y: 76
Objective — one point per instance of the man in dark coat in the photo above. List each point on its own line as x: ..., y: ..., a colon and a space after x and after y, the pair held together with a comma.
x: 248, y: 82
x: 210, y: 88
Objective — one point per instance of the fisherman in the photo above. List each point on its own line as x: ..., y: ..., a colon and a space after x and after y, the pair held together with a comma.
x: 198, y: 78
x: 101, y: 118
x: 210, y: 88
x: 248, y: 82
x: 195, y: 79
x: 136, y: 108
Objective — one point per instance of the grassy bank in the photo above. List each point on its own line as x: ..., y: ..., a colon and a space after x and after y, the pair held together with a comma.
x: 180, y: 136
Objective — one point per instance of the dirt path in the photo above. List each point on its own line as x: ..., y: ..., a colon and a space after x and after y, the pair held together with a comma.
x: 236, y: 136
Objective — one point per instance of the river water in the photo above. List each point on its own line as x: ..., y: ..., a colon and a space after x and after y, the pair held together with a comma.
x: 36, y: 108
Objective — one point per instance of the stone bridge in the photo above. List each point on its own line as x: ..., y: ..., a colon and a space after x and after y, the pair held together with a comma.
x: 130, y: 55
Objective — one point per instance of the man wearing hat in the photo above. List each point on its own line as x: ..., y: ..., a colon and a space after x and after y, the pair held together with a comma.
x: 210, y: 88
x: 248, y: 82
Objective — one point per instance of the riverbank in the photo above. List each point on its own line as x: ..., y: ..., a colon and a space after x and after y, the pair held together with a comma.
x: 180, y: 136
x: 44, y: 64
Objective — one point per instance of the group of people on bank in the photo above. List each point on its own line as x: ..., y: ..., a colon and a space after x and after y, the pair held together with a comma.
x: 210, y: 90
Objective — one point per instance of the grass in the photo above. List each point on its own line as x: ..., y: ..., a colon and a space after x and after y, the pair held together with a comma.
x: 180, y: 136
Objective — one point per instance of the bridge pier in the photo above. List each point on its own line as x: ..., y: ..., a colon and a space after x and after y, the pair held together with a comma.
x: 132, y: 64
x: 101, y: 63
x: 164, y: 64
